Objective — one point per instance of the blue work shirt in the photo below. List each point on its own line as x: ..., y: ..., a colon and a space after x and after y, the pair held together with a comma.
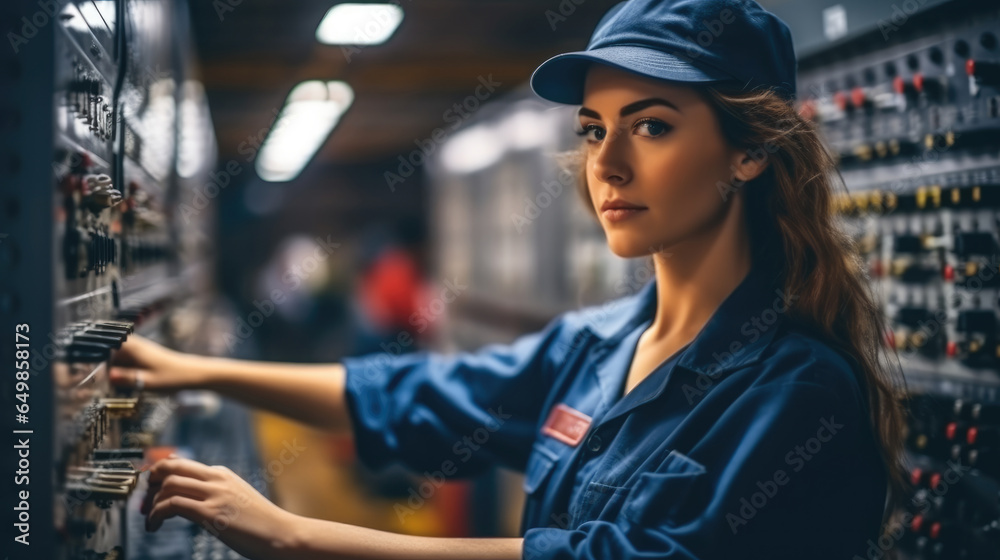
x: 753, y: 441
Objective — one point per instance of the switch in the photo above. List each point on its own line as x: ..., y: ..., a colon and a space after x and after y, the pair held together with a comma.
x: 978, y: 412
x: 120, y: 407
x: 88, y: 352
x: 111, y: 341
x: 983, y: 435
x: 860, y: 98
x: 840, y: 100
x: 948, y: 273
x: 933, y: 88
x: 914, y: 317
x: 907, y: 89
x: 953, y: 431
x: 110, y: 454
x: 99, y: 193
x: 987, y: 460
x: 120, y: 336
x: 975, y: 243
x: 126, y: 326
x: 76, y: 244
x: 976, y: 320
x: 908, y: 244
x: 984, y: 73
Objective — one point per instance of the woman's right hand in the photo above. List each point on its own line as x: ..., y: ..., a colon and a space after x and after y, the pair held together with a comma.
x: 144, y: 364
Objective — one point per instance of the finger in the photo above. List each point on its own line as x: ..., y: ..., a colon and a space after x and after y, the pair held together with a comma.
x: 123, y: 377
x: 128, y: 354
x: 183, y: 506
x: 153, y: 488
x: 181, y: 466
x: 175, y: 485
x: 134, y: 378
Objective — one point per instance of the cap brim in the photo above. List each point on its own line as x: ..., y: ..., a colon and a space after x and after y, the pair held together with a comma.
x: 561, y: 78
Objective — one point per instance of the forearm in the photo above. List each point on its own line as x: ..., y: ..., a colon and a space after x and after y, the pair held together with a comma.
x: 317, y: 539
x: 309, y: 393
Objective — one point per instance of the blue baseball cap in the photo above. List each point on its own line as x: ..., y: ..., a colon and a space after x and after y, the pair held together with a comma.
x: 702, y: 41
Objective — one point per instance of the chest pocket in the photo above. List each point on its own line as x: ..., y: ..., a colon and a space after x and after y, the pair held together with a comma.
x: 596, y: 500
x: 541, y: 462
x: 662, y: 497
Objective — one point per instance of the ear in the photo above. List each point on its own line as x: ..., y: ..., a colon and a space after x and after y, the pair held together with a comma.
x: 749, y: 164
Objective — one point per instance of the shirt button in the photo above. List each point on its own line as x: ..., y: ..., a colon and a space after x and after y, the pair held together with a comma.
x: 594, y: 442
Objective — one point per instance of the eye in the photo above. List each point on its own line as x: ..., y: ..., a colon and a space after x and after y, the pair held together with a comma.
x: 653, y: 126
x: 587, y: 129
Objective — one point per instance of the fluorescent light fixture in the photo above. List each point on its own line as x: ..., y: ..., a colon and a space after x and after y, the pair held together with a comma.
x: 359, y: 24
x: 472, y: 149
x: 481, y: 145
x: 529, y: 127
x: 311, y: 111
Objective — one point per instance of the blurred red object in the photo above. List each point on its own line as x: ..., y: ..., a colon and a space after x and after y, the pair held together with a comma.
x: 392, y: 291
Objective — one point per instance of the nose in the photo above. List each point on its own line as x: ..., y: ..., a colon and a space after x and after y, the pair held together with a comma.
x: 609, y: 162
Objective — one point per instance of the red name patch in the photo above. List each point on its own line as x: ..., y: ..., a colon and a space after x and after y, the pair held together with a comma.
x: 566, y: 424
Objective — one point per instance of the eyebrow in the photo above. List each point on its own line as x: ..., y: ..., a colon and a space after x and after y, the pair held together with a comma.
x: 632, y: 107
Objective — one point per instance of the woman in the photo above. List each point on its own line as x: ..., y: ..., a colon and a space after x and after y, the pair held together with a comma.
x: 734, y: 407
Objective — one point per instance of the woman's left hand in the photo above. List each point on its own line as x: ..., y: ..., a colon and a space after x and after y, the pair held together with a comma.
x: 218, y: 500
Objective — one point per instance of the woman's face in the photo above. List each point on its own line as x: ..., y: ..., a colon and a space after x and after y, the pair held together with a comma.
x: 655, y: 146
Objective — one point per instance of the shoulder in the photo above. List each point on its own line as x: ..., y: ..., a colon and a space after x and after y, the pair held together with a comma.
x: 593, y: 323
x: 804, y: 362
x: 608, y: 318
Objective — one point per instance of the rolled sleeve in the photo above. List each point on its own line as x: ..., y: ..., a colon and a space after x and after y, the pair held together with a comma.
x: 768, y: 477
x: 456, y: 414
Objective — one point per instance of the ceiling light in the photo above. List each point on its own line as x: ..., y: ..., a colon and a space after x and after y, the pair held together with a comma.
x: 529, y: 127
x: 311, y: 111
x: 472, y: 149
x: 359, y: 24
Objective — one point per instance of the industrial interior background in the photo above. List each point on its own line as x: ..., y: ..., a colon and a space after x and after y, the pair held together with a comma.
x: 434, y: 214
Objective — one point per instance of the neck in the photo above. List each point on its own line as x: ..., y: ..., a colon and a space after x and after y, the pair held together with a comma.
x: 694, y: 276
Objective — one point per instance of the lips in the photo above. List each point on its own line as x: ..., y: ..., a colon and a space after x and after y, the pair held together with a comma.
x: 620, y: 205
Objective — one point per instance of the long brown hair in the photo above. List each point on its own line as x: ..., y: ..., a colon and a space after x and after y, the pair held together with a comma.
x: 820, y: 260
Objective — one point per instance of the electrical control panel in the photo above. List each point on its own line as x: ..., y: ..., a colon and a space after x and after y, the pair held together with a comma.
x: 911, y: 110
x: 103, y: 133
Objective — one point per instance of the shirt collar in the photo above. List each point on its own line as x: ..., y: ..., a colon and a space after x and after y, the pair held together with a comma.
x: 736, y: 334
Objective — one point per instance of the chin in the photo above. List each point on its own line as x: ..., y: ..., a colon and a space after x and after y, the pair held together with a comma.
x: 628, y: 246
